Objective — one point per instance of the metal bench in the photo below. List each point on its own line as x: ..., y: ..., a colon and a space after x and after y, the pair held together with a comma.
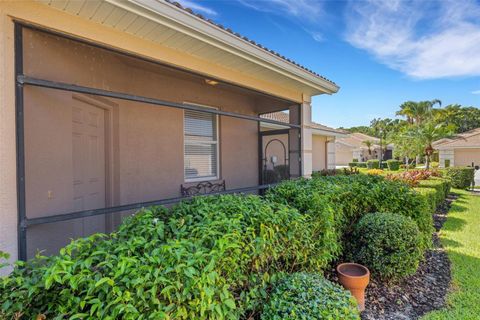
x: 204, y: 187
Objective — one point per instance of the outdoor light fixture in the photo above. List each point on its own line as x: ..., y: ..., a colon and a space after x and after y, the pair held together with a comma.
x: 211, y: 82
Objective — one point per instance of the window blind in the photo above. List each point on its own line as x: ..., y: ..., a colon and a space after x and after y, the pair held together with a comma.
x: 201, y: 145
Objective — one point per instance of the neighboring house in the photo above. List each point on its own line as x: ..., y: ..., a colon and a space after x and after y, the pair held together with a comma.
x: 460, y: 150
x: 276, y: 140
x: 353, y: 146
x: 108, y: 106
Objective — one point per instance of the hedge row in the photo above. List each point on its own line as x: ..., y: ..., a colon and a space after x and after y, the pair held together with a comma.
x: 461, y: 177
x: 211, y: 258
x: 434, y: 191
x: 350, y: 198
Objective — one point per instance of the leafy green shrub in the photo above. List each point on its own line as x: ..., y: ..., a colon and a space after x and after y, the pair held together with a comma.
x: 309, y: 296
x: 354, y: 160
x: 211, y: 258
x: 373, y: 164
x: 429, y: 196
x: 393, y: 165
x: 441, y: 187
x: 318, y: 212
x: 353, y: 164
x: 434, y: 164
x: 461, y: 177
x: 388, y: 244
x: 362, y: 164
x: 351, y: 197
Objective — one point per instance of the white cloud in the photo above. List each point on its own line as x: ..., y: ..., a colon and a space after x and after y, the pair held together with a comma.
x: 423, y: 39
x: 476, y: 92
x: 196, y: 6
x: 306, y: 13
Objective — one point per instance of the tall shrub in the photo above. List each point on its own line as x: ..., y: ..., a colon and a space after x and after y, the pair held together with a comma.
x: 393, y: 165
x: 461, y: 177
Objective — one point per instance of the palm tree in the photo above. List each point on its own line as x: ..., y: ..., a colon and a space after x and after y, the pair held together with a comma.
x: 423, y: 135
x: 417, y: 112
x: 407, y: 110
x: 369, y: 145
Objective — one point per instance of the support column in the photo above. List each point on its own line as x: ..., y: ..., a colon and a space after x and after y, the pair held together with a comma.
x: 306, y: 144
x: 8, y: 193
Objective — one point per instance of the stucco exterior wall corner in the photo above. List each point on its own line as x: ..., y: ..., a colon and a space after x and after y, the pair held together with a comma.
x: 8, y: 195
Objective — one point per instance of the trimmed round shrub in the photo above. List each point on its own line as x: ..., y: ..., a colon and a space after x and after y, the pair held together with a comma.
x: 361, y: 164
x: 393, y: 165
x: 309, y: 296
x: 388, y: 244
x: 461, y: 177
x: 373, y: 164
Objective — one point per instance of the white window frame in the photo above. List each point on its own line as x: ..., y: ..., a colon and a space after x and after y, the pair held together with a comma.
x: 216, y: 142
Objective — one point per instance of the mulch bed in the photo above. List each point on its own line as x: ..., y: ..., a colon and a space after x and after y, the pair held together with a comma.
x: 423, y: 292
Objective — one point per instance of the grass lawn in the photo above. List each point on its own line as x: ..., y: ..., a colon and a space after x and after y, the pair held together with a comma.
x: 460, y: 236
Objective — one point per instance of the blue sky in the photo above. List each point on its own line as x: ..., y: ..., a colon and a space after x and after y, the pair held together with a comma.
x: 381, y: 53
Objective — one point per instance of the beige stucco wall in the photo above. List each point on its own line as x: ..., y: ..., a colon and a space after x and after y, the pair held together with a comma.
x: 343, y: 155
x: 148, y: 143
x: 465, y: 157
x: 319, y: 153
x: 145, y: 118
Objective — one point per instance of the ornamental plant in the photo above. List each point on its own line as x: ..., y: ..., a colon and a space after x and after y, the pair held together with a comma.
x: 375, y: 172
x: 373, y: 164
x: 388, y: 244
x: 461, y: 177
x: 393, y: 165
x: 309, y: 296
x: 210, y: 258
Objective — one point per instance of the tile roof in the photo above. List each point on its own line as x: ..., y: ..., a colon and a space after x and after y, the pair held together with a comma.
x: 284, y: 117
x: 357, y: 139
x: 466, y: 139
x: 190, y: 11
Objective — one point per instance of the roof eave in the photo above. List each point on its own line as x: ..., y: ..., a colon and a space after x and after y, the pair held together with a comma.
x: 178, y: 19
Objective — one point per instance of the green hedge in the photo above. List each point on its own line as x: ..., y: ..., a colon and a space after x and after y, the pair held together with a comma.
x: 212, y: 258
x: 441, y: 188
x: 429, y: 196
x: 309, y: 296
x: 461, y: 177
x: 393, y: 165
x: 351, y: 197
x: 388, y: 244
x: 373, y: 164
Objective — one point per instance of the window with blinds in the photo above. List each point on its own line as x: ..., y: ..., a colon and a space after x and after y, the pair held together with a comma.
x: 201, y: 146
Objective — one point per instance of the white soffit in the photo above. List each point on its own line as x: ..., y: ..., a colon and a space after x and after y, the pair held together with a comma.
x: 171, y: 26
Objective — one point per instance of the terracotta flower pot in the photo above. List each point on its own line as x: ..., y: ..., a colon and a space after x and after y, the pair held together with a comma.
x: 355, y: 278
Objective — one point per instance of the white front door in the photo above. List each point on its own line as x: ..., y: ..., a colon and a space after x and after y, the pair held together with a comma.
x: 88, y: 147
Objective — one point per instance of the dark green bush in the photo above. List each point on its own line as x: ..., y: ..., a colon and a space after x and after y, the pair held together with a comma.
x: 461, y: 177
x: 353, y: 164
x: 211, y: 258
x: 373, y: 164
x: 309, y: 296
x: 388, y: 244
x: 361, y: 164
x: 393, y: 165
x: 354, y: 160
x: 441, y: 188
x: 351, y: 197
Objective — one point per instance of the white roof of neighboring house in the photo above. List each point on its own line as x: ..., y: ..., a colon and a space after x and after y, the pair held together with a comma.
x: 317, y: 128
x: 171, y: 25
x: 356, y: 140
x: 469, y: 139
